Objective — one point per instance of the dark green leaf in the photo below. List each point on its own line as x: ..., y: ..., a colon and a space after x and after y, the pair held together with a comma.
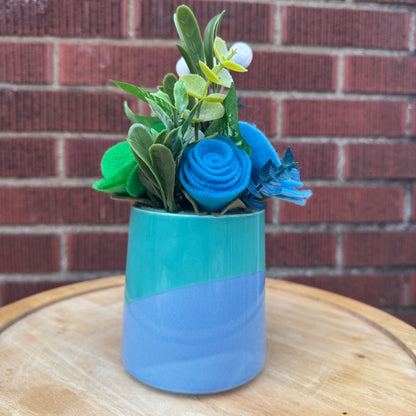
x: 231, y: 128
x: 161, y: 137
x: 165, y: 169
x: 210, y: 33
x: 173, y: 142
x: 188, y: 30
x: 147, y: 121
x: 193, y: 69
x: 168, y: 85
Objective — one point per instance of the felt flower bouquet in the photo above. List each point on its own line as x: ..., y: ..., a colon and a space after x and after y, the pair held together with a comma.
x: 193, y: 153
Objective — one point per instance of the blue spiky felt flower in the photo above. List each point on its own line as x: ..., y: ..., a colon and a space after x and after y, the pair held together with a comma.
x: 270, y: 177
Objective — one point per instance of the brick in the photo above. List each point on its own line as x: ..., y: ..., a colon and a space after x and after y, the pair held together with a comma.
x: 83, y: 156
x: 261, y: 112
x: 374, y: 289
x: 13, y: 291
x: 27, y: 157
x: 383, y: 248
x: 347, y: 204
x: 97, y: 64
x: 243, y: 21
x: 29, y: 253
x: 300, y: 249
x: 345, y: 27
x: 344, y: 118
x: 413, y: 121
x: 73, y: 111
x: 380, y: 74
x: 380, y: 161
x: 99, y: 251
x: 414, y: 204
x: 408, y: 316
x: 412, y: 2
x: 289, y: 71
x: 26, y: 63
x: 269, y: 211
x: 412, y: 289
x: 63, y: 205
x: 315, y: 160
x: 74, y: 18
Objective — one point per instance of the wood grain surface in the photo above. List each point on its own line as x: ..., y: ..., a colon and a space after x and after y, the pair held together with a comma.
x: 60, y: 354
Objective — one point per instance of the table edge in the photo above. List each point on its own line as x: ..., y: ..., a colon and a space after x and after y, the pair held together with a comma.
x: 400, y: 332
x: 17, y: 310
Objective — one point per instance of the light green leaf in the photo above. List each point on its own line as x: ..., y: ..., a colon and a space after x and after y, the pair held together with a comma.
x: 234, y: 67
x: 209, y: 111
x: 225, y: 79
x: 208, y: 73
x: 220, y: 49
x: 210, y: 33
x: 216, y: 97
x: 194, y: 84
x: 181, y: 97
x: 165, y: 168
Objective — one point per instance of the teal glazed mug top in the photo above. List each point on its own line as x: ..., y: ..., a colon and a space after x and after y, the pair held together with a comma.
x: 194, y: 311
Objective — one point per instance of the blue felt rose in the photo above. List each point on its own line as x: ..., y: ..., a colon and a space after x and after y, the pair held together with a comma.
x: 214, y: 172
x: 261, y: 149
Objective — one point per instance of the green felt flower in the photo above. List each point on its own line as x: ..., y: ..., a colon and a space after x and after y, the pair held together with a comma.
x: 120, y: 171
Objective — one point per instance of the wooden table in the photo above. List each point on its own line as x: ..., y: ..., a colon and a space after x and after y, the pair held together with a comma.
x: 326, y: 355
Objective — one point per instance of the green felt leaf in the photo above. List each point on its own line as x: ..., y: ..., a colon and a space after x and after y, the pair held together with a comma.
x: 165, y: 169
x: 168, y: 84
x: 117, y: 160
x: 194, y: 84
x: 147, y: 121
x: 208, y: 73
x: 211, y: 31
x: 157, y: 128
x: 112, y: 185
x: 133, y: 185
x: 181, y: 97
x: 188, y: 29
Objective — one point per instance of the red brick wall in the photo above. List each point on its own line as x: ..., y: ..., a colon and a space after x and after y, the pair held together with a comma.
x: 335, y: 80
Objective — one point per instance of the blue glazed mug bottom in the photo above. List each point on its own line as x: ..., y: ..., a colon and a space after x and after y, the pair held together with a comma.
x: 200, y: 339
